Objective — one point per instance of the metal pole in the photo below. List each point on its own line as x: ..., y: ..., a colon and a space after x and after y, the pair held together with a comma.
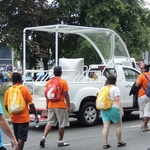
x: 24, y: 50
x: 56, y: 46
x: 12, y: 57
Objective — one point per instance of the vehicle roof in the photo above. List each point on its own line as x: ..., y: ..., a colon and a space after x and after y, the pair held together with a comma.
x: 107, y: 43
x: 71, y: 29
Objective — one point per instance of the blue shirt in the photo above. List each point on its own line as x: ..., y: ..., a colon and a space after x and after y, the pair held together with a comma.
x: 1, y: 140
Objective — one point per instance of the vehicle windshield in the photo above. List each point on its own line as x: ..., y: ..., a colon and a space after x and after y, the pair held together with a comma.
x: 108, y: 44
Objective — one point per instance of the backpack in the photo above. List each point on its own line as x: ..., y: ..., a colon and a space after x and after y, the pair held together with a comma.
x: 16, y: 102
x: 52, y: 92
x: 147, y: 89
x: 103, y: 99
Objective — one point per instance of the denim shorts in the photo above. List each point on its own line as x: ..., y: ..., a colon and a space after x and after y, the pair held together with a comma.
x: 113, y: 114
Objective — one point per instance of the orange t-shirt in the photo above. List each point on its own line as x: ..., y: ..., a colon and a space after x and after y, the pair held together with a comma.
x: 142, y: 80
x: 63, y: 88
x: 24, y: 115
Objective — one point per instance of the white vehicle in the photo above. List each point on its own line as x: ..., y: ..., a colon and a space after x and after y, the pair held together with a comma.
x: 86, y: 81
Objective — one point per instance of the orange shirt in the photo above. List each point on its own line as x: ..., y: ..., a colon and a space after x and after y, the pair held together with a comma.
x: 63, y: 88
x: 24, y: 115
x: 142, y: 80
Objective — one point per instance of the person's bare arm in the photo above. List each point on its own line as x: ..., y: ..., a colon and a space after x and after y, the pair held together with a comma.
x: 138, y: 85
x: 67, y: 98
x: 32, y: 108
x: 6, y: 129
x: 117, y: 99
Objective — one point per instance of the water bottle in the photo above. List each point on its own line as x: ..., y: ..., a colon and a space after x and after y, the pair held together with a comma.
x: 36, y: 123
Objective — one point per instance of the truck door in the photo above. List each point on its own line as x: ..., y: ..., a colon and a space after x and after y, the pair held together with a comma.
x: 125, y: 80
x: 120, y: 80
x: 130, y: 76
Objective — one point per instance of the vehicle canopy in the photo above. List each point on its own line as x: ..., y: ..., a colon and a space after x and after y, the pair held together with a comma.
x: 107, y: 43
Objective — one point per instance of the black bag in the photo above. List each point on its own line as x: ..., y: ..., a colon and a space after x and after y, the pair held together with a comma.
x: 134, y: 90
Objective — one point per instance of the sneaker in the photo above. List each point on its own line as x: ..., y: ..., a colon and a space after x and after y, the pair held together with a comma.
x: 42, y: 143
x: 61, y: 144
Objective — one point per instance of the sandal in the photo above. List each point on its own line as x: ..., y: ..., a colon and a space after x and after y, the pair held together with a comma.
x: 120, y: 144
x: 106, y: 146
x: 61, y: 144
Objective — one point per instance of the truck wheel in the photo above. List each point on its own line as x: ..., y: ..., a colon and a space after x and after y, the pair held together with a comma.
x: 88, y: 115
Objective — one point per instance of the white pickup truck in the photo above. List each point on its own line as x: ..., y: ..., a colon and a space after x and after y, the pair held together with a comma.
x: 85, y: 81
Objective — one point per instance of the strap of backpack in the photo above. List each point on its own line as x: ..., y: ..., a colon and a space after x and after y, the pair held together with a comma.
x: 147, y: 79
x: 146, y: 76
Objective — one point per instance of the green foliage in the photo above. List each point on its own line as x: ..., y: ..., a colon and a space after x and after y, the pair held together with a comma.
x: 15, y: 16
x: 128, y: 18
x: 2, y: 91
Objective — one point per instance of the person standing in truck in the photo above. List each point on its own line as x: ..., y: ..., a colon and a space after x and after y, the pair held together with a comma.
x: 113, y: 114
x: 58, y: 111
x: 143, y: 100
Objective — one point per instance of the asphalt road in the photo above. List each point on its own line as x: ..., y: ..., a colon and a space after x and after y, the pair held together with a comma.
x: 89, y: 138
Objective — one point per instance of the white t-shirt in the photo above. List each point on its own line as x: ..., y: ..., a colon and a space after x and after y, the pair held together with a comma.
x: 114, y: 91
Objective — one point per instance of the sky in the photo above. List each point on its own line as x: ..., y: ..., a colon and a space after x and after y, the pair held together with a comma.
x: 50, y: 1
x: 148, y: 3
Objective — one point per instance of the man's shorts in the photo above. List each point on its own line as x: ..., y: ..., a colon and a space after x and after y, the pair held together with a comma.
x: 21, y: 130
x: 144, y: 106
x: 58, y: 115
x: 113, y: 114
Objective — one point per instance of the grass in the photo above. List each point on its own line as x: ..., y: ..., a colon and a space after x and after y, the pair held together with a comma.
x: 2, y: 91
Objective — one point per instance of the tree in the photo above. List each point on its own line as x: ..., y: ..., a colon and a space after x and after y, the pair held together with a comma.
x: 16, y: 15
x: 128, y: 18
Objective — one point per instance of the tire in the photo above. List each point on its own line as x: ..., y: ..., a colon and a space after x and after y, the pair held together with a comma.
x: 88, y: 115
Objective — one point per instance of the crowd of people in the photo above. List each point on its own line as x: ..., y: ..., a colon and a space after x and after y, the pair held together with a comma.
x: 5, y: 75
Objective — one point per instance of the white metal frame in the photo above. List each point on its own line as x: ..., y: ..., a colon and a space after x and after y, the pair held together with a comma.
x: 70, y: 29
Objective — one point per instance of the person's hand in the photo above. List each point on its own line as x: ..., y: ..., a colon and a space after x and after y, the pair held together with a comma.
x: 122, y: 113
x: 37, y: 119
x: 14, y: 143
x: 70, y: 110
